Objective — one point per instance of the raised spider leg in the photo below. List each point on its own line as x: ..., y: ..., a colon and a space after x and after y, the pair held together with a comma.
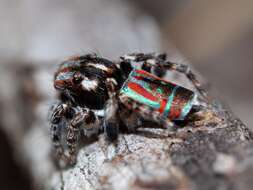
x: 111, y: 120
x: 185, y: 69
x: 84, y: 120
x: 138, y: 57
x: 148, y: 62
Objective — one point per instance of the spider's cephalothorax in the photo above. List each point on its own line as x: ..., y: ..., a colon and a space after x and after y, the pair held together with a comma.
x: 84, y: 76
x: 100, y: 95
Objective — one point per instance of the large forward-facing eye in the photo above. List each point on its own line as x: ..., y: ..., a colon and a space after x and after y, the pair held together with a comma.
x: 77, y: 78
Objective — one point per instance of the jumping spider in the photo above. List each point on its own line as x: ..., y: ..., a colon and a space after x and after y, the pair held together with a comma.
x: 99, y: 95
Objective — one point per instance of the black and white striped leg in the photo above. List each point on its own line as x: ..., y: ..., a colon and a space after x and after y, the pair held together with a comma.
x: 139, y: 57
x: 84, y: 121
x: 148, y: 62
x: 185, y: 69
x: 58, y: 124
x: 111, y: 120
x: 57, y: 112
x: 73, y: 134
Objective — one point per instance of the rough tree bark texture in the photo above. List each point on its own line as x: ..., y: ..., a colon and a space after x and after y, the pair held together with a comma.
x: 219, y: 156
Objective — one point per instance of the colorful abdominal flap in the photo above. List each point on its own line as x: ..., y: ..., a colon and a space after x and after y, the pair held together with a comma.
x: 172, y: 101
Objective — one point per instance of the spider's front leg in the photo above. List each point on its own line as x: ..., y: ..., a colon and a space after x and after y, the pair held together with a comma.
x: 86, y: 121
x: 58, y: 120
x: 111, y: 120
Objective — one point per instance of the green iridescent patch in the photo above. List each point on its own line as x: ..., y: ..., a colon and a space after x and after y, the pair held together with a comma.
x: 139, y: 98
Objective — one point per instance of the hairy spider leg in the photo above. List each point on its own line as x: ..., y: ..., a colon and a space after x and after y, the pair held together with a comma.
x: 111, y: 120
x: 84, y: 120
x: 148, y: 62
x: 147, y: 113
x: 58, y: 123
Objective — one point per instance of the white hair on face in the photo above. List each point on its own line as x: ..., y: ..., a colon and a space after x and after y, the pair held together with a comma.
x: 89, y: 84
x: 98, y: 66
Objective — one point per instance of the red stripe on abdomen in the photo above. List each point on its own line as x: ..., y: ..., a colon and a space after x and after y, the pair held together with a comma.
x: 163, y: 104
x: 176, y: 109
x: 142, y: 91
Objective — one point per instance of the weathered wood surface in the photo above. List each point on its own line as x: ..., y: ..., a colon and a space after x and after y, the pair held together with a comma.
x: 207, y: 157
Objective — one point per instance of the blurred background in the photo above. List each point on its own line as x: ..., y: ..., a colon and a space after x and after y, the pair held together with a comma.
x: 216, y: 37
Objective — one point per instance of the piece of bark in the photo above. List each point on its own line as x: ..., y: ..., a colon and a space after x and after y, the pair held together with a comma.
x: 216, y: 156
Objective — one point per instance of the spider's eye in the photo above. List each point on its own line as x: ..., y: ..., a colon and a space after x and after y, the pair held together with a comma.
x: 77, y: 78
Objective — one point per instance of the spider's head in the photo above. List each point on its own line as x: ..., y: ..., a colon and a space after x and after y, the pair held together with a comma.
x: 82, y: 73
x: 67, y: 77
x: 82, y: 79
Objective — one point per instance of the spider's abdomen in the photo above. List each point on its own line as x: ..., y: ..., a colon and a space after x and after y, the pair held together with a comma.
x: 170, y: 100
